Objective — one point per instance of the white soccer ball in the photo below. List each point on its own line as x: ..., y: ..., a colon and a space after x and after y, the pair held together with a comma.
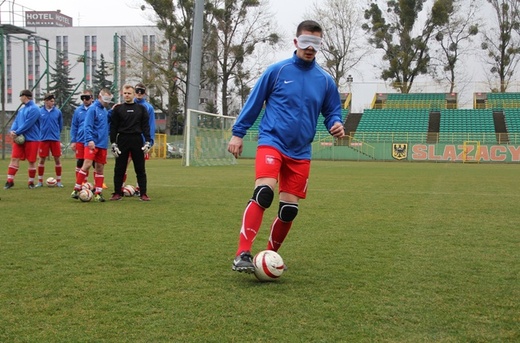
x: 20, y: 139
x: 269, y: 265
x: 51, y: 182
x: 128, y: 191
x: 87, y: 185
x: 86, y: 195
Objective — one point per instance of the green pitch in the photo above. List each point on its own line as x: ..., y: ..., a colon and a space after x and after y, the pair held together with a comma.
x: 380, y: 252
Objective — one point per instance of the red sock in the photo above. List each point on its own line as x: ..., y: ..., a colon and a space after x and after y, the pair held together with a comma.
x: 251, y: 222
x: 32, y: 174
x: 57, y: 169
x: 80, y: 178
x: 11, y: 172
x: 41, y: 171
x: 99, y: 179
x: 279, y: 231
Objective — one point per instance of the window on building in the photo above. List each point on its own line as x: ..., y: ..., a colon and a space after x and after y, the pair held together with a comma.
x: 58, y: 43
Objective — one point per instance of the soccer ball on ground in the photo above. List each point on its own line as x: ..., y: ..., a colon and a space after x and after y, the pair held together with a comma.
x: 20, y: 139
x: 51, y: 182
x: 269, y: 265
x: 128, y: 191
x: 86, y: 195
x: 87, y: 185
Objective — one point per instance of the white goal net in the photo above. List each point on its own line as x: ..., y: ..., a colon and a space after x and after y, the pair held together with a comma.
x: 206, y: 136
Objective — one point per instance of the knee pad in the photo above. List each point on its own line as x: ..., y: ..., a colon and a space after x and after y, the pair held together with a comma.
x: 287, y: 211
x: 263, y: 196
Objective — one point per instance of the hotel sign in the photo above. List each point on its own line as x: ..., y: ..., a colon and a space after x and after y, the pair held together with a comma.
x: 47, y: 18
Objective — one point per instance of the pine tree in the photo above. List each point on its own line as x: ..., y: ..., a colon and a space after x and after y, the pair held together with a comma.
x: 62, y: 87
x: 100, y: 77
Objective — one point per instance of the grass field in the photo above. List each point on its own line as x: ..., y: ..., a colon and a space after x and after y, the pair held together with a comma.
x: 380, y: 252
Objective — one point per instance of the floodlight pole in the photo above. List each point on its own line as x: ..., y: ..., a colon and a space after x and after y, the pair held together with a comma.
x: 115, y: 84
x: 193, y: 90
x: 2, y: 88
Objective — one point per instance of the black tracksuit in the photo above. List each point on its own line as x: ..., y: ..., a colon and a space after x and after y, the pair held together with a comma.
x: 129, y: 125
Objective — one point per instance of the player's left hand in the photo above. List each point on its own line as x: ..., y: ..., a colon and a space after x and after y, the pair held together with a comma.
x: 146, y: 147
x: 337, y: 130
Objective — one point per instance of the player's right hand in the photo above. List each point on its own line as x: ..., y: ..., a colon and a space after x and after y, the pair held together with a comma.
x: 235, y: 146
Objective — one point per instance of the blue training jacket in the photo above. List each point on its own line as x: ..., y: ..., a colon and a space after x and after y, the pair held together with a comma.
x: 77, y: 132
x: 151, y: 114
x: 27, y: 122
x: 51, y: 124
x: 96, y: 125
x: 295, y: 92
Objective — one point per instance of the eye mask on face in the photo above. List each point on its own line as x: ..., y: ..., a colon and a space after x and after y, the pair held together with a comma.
x: 306, y: 41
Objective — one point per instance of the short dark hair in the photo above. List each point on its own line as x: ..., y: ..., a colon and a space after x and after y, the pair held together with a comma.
x: 49, y: 96
x: 308, y: 25
x: 26, y: 92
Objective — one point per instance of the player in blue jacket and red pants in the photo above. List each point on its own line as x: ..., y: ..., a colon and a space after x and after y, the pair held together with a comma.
x: 295, y: 91
x: 77, y: 134
x: 96, y: 144
x: 26, y: 123
x: 51, y: 124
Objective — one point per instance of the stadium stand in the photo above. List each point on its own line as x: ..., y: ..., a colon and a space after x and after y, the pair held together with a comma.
x: 512, y: 119
x: 466, y: 124
x: 431, y: 101
x: 393, y: 124
x: 502, y: 100
x: 431, y: 118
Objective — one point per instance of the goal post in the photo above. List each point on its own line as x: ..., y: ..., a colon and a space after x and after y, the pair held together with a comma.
x: 206, y: 136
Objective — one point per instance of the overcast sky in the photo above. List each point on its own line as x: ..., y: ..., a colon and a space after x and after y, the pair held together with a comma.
x: 128, y: 13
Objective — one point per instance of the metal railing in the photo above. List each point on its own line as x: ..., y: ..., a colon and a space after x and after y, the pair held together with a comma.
x: 442, y: 137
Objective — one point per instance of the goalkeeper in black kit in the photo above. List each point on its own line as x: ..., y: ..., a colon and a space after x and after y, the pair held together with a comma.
x: 129, y: 123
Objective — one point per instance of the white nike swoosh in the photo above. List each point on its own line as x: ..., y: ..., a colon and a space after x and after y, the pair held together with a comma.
x: 286, y: 82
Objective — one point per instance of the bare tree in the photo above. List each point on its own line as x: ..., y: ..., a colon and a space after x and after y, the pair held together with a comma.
x: 343, y: 48
x: 240, y: 26
x: 454, y: 38
x: 502, y: 42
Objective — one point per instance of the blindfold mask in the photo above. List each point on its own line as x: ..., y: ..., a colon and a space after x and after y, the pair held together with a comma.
x: 308, y: 41
x: 106, y: 98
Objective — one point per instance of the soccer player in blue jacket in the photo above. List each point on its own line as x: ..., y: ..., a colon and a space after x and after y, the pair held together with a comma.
x: 26, y: 123
x: 51, y: 124
x: 96, y: 144
x: 77, y: 134
x: 295, y: 91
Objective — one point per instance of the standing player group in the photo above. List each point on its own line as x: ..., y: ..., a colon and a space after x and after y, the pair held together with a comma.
x: 36, y: 133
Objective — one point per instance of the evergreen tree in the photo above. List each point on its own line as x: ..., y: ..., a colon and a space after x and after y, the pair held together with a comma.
x: 395, y: 29
x: 100, y: 79
x: 62, y: 87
